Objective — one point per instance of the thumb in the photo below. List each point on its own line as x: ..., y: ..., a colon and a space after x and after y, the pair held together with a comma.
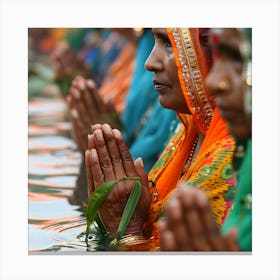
x: 231, y: 239
x: 110, y: 105
x: 139, y: 166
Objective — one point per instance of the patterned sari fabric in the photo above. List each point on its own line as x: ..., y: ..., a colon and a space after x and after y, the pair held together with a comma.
x: 211, y: 168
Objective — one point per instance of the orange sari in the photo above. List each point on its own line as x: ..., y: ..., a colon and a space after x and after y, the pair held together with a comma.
x: 211, y: 168
x: 117, y: 81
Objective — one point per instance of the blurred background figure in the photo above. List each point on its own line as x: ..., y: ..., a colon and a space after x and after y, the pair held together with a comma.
x: 113, y: 59
x: 189, y: 224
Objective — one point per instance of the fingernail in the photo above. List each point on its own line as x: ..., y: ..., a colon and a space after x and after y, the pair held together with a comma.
x: 82, y: 86
x: 76, y: 94
x: 98, y: 134
x: 95, y: 126
x: 93, y: 153
x: 117, y: 133
x: 90, y: 83
x: 140, y: 161
x: 74, y: 113
x: 68, y: 99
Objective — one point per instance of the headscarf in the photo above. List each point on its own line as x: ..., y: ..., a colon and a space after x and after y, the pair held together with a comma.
x: 211, y: 168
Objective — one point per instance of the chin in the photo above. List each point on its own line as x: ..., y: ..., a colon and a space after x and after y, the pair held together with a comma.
x: 165, y: 104
x: 240, y: 132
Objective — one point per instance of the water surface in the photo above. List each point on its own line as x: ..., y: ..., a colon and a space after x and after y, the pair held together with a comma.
x: 54, y: 223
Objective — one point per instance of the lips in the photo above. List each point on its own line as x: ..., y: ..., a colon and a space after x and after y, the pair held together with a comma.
x: 160, y: 86
x: 229, y: 114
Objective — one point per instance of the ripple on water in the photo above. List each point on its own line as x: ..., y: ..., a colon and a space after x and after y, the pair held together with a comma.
x: 50, y: 143
x: 53, y: 165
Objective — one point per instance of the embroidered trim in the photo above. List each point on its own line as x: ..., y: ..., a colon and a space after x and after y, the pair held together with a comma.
x: 190, y: 77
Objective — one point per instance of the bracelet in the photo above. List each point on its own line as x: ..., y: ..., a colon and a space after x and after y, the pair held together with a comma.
x: 128, y: 242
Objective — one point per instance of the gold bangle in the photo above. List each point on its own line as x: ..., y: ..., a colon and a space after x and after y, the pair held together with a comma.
x: 128, y: 241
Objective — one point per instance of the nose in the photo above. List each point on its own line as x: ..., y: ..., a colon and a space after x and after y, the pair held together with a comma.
x: 153, y: 62
x: 216, y: 81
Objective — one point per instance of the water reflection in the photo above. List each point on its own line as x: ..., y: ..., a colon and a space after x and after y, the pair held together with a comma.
x: 53, y: 166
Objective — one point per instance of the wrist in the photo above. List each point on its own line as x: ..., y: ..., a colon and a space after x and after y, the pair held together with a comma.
x: 130, y: 242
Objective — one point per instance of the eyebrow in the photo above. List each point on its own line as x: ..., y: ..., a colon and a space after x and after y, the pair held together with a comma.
x: 232, y: 52
x: 161, y: 35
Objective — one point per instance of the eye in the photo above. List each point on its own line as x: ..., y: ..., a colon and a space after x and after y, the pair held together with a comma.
x: 204, y: 36
x: 168, y: 45
x: 238, y: 67
x: 163, y: 41
x: 166, y: 42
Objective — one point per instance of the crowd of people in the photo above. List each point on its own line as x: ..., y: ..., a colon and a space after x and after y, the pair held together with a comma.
x: 170, y: 108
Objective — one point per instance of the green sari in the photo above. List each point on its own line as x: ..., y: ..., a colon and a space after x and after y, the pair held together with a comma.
x: 241, y: 214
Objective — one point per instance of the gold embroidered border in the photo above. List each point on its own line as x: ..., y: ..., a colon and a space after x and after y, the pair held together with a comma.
x: 201, y: 107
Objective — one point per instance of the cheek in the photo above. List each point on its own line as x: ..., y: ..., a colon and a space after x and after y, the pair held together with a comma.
x: 172, y: 70
x: 177, y: 95
x: 240, y: 130
x: 173, y: 77
x: 239, y: 89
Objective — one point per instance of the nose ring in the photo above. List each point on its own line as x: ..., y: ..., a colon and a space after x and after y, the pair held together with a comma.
x: 222, y: 85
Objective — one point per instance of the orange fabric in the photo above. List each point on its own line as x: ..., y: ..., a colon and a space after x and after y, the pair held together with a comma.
x: 217, y: 130
x: 48, y: 43
x: 117, y: 82
x: 211, y: 169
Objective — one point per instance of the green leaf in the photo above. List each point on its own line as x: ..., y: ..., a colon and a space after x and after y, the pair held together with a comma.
x: 98, y: 197
x: 96, y: 202
x: 130, y: 207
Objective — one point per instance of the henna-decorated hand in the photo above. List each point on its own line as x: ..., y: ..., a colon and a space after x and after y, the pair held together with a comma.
x: 108, y: 158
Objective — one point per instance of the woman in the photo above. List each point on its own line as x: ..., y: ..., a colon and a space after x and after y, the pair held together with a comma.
x: 145, y: 124
x: 230, y: 81
x: 200, y: 152
x: 145, y: 134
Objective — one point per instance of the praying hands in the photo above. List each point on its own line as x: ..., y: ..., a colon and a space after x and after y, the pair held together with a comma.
x: 108, y: 158
x: 86, y: 108
x: 189, y: 224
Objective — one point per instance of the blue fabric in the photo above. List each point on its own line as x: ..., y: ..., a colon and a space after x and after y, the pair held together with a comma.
x: 146, y: 122
x: 100, y: 60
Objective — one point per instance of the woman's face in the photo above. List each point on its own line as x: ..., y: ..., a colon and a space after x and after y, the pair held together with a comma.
x: 162, y: 62
x: 225, y: 80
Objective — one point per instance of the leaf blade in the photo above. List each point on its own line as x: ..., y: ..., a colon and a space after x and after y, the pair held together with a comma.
x: 96, y: 202
x: 130, y: 207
